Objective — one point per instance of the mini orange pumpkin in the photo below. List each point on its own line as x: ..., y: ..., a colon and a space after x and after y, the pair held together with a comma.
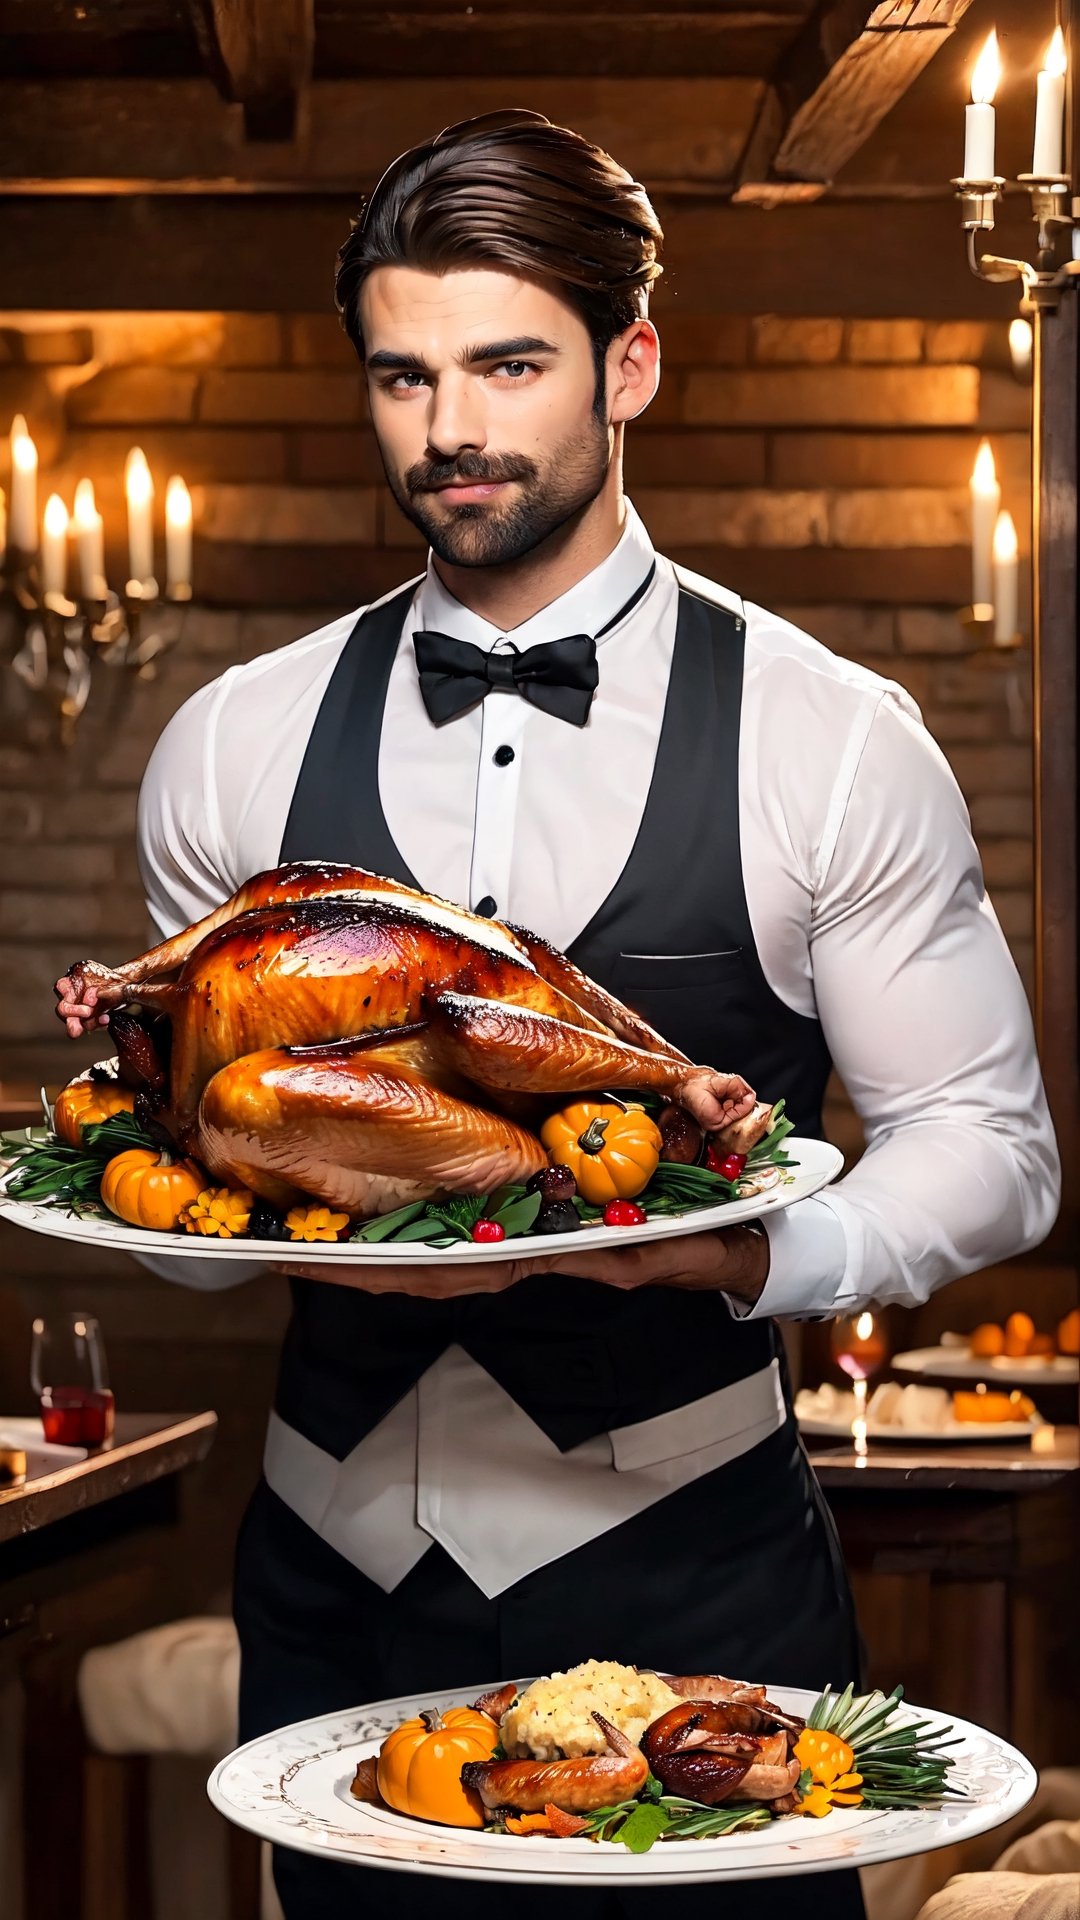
x: 612, y: 1151
x: 150, y: 1189
x: 420, y: 1765
x: 83, y: 1103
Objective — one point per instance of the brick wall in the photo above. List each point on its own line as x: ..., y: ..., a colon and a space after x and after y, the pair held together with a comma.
x: 818, y: 465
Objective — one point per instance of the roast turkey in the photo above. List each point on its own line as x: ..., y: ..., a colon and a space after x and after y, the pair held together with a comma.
x: 327, y: 1032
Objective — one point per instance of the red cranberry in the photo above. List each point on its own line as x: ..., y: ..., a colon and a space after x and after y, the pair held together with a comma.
x: 728, y: 1165
x: 488, y: 1230
x: 623, y: 1213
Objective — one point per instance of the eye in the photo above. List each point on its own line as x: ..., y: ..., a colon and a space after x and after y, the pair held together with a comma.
x: 397, y: 379
x: 516, y: 368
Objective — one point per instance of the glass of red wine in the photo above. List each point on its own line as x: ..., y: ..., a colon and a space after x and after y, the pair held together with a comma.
x: 69, y: 1375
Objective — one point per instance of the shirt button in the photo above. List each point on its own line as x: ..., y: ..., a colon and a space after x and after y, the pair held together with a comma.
x: 502, y: 756
x: 486, y: 906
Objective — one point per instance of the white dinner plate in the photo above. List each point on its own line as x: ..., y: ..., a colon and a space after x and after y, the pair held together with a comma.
x: 292, y: 1788
x: 958, y: 1363
x: 816, y: 1427
x: 818, y: 1164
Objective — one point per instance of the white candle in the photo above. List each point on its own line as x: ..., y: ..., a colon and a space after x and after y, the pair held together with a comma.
x: 140, y: 505
x: 54, y: 546
x: 90, y: 537
x: 1050, y: 110
x: 177, y: 535
x: 979, y: 116
x: 985, y: 502
x: 1006, y: 580
x: 22, y: 523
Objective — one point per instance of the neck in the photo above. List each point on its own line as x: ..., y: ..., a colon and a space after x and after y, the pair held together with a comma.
x: 511, y: 594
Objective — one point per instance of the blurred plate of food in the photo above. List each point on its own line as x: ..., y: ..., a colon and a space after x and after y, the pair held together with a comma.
x: 907, y: 1413
x: 1015, y: 1352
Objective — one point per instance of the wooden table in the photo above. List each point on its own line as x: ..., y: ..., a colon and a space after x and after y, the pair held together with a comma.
x: 81, y: 1563
x: 962, y: 1559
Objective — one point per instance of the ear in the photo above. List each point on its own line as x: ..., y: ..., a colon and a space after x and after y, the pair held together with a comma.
x: 633, y: 371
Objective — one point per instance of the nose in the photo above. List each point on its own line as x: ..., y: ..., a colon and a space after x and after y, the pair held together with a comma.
x: 455, y: 418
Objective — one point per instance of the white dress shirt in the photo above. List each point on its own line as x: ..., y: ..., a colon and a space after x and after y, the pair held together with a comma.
x: 862, y: 879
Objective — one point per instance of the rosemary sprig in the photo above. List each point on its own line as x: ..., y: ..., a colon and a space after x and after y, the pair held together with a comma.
x: 45, y: 1169
x: 638, y: 1824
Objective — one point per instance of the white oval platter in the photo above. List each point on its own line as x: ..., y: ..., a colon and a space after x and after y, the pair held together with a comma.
x: 818, y: 1164
x: 291, y: 1787
x: 959, y: 1363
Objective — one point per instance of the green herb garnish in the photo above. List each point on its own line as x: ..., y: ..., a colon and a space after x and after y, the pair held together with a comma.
x: 900, y: 1765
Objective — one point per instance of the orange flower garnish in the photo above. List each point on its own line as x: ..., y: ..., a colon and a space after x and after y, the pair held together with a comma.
x: 314, y: 1223
x: 830, y: 1761
x: 221, y: 1211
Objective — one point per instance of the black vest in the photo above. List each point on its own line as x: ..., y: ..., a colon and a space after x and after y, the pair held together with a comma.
x: 673, y: 939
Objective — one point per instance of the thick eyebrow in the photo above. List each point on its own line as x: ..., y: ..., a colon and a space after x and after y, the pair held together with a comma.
x: 468, y: 357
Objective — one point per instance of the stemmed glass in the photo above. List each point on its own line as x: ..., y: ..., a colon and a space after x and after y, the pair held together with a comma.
x: 859, y: 1348
x: 69, y: 1375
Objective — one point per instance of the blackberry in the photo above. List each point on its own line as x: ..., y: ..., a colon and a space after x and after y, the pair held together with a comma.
x: 266, y: 1223
x: 559, y: 1216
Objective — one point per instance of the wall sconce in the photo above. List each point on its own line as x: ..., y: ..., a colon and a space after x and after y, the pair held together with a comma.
x: 979, y: 188
x: 61, y: 640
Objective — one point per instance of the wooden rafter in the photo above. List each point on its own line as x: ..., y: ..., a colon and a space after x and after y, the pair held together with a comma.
x: 259, y: 53
x: 843, y: 73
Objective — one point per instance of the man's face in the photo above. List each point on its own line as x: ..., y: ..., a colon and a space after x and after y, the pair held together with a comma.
x: 483, y: 396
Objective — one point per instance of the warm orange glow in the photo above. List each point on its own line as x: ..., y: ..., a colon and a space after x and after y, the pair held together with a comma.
x: 864, y: 1326
x: 1006, y: 544
x: 987, y: 71
x: 137, y: 481
x: 56, y: 516
x: 177, y: 503
x: 86, y: 513
x: 1056, y: 60
x: 984, y: 473
x: 23, y: 450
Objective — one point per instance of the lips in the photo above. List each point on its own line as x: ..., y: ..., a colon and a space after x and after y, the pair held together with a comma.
x: 469, y: 489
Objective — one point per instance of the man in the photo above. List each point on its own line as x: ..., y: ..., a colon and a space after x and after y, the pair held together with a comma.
x: 502, y: 1469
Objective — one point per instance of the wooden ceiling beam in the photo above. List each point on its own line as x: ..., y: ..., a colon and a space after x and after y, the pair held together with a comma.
x: 259, y: 54
x: 119, y: 135
x: 275, y: 253
x: 843, y: 73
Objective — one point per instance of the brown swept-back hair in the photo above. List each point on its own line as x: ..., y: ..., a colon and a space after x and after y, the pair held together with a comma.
x: 512, y: 190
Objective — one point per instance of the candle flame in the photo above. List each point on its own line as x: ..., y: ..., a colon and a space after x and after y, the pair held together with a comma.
x: 56, y: 515
x: 987, y: 72
x: 1021, y: 340
x: 864, y: 1326
x: 137, y: 480
x: 23, y: 450
x: 1006, y: 545
x: 86, y: 513
x: 984, y: 473
x: 177, y: 503
x: 1056, y: 60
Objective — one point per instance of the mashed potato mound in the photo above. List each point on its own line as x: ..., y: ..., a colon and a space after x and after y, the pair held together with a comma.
x: 553, y: 1717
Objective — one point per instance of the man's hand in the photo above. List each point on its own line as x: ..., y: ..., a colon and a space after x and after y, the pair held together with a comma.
x: 733, y: 1260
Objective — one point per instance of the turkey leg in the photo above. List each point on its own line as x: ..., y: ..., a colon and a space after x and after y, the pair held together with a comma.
x: 500, y: 1045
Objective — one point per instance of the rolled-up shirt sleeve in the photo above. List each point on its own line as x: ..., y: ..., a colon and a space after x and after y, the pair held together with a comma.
x: 184, y: 874
x: 929, y: 1028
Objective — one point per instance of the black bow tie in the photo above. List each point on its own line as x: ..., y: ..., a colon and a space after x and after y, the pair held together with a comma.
x: 559, y: 676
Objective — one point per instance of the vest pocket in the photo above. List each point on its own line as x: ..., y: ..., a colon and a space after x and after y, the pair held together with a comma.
x: 661, y: 972
x: 699, y: 1002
